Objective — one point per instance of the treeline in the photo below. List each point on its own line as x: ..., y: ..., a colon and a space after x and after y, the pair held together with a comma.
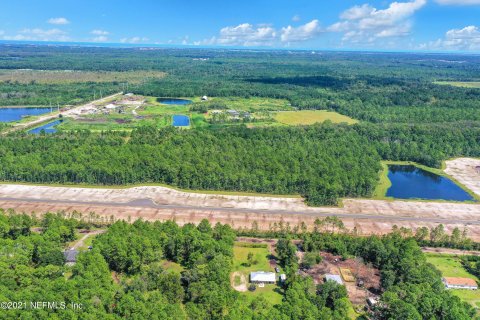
x: 322, y: 163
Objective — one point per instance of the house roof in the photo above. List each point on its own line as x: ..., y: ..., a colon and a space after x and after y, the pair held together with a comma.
x: 261, y: 276
x: 70, y: 255
x: 454, y: 281
x: 334, y: 277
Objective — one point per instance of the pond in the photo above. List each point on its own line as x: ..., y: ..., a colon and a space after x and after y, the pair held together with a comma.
x: 174, y: 101
x: 181, y: 121
x: 411, y: 182
x: 48, y: 127
x: 15, y: 114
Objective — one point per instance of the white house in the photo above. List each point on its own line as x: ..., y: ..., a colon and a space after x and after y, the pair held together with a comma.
x: 334, y: 277
x: 460, y: 283
x: 262, y: 277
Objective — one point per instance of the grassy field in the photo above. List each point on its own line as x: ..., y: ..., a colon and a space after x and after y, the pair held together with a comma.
x: 271, y: 292
x: 306, y: 117
x: 451, y: 266
x: 462, y: 84
x: 172, y: 266
x: 70, y: 76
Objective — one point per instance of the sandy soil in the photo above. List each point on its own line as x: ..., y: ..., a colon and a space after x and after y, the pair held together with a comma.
x: 242, y: 287
x: 368, y: 216
x: 466, y: 172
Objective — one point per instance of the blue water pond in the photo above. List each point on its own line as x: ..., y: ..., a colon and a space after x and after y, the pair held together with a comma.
x: 48, y: 128
x: 174, y: 101
x: 15, y: 114
x: 181, y: 121
x: 411, y: 182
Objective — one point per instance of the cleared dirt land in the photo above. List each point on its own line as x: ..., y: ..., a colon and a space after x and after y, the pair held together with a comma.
x: 161, y: 203
x: 466, y: 171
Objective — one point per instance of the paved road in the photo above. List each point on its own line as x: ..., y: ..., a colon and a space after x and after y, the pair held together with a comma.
x: 148, y: 203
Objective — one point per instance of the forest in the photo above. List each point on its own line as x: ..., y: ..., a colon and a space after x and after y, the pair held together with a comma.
x: 124, y: 275
x: 404, y: 115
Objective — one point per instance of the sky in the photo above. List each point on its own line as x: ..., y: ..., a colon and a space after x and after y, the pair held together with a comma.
x: 406, y: 25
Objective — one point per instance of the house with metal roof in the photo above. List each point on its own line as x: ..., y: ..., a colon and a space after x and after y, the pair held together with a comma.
x: 460, y: 283
x: 334, y: 277
x: 262, y: 277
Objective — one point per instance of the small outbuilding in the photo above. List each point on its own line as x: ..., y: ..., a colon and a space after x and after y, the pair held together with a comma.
x: 204, y: 98
x: 70, y: 257
x: 283, y: 277
x: 110, y: 106
x: 460, y: 283
x: 262, y: 277
x: 334, y: 277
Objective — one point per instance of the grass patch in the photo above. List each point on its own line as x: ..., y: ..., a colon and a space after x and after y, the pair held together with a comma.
x: 449, y: 265
x: 307, y: 117
x: 251, y: 104
x: 383, y: 184
x: 461, y: 84
x: 171, y: 266
x: 271, y: 292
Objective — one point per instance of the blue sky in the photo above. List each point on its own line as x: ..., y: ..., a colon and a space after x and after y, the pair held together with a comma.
x: 435, y: 25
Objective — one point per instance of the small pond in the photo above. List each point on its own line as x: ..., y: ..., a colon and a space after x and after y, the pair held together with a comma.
x: 48, y: 127
x: 181, y: 121
x: 174, y: 101
x: 411, y: 182
x: 15, y: 114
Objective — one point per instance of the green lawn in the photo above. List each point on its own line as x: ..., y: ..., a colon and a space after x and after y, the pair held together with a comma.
x: 307, y: 117
x: 450, y: 266
x: 271, y: 292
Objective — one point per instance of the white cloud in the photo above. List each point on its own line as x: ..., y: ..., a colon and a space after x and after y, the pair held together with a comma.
x: 301, y: 33
x: 38, y: 34
x: 296, y: 18
x: 367, y: 24
x: 100, y: 39
x: 2, y: 32
x: 58, y: 21
x: 99, y: 32
x: 134, y: 40
x: 246, y: 34
x: 465, y: 39
x: 458, y: 2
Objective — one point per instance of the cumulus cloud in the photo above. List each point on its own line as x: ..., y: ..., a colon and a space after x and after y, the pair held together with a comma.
x: 134, y: 40
x: 99, y: 32
x: 296, y: 18
x: 458, y: 2
x: 58, y: 21
x: 246, y: 34
x: 366, y: 24
x: 38, y: 34
x: 464, y: 39
x: 301, y: 33
x: 100, y: 39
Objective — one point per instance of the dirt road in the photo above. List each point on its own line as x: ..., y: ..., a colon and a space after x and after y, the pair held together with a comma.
x: 161, y: 203
x: 54, y: 115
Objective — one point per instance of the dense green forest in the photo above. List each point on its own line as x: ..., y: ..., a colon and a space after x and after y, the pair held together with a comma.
x: 403, y: 115
x: 123, y: 275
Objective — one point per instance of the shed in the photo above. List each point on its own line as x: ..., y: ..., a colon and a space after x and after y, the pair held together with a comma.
x: 262, y: 277
x: 110, y: 106
x: 334, y: 277
x: 460, y: 283
x: 70, y: 257
x: 204, y: 98
x: 283, y: 277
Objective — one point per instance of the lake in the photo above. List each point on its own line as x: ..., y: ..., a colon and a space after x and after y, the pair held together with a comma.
x: 174, y: 101
x: 181, y: 121
x: 15, y: 114
x: 48, y: 127
x: 410, y: 182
